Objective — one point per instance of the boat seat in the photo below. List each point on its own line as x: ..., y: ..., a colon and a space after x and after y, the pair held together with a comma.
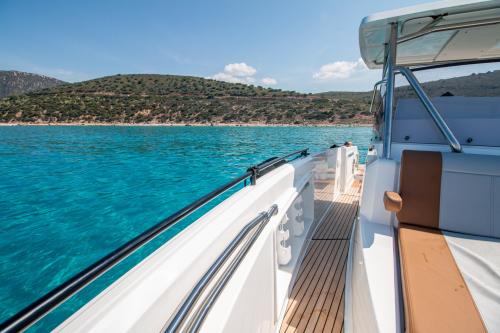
x: 448, y: 209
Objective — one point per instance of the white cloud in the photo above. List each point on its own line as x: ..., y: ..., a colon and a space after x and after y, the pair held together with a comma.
x: 339, y: 70
x: 237, y: 73
x: 242, y: 73
x: 269, y: 81
x: 239, y: 69
x: 223, y: 76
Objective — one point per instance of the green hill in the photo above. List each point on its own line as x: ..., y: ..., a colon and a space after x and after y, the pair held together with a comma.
x: 14, y: 82
x: 474, y: 85
x: 172, y: 99
x: 177, y: 99
x: 364, y: 96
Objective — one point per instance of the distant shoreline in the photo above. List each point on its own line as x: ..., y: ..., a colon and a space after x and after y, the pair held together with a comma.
x: 256, y: 124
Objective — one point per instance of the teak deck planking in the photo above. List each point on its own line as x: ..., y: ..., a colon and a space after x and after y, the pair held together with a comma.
x: 316, y: 303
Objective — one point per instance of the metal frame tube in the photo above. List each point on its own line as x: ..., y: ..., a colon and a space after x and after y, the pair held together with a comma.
x: 390, y: 64
x: 375, y: 89
x: 429, y: 106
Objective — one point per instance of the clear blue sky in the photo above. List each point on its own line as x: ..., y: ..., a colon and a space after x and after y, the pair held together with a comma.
x: 285, y: 43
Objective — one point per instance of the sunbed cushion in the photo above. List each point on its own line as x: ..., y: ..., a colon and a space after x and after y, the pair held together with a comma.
x: 437, y: 298
x: 450, y: 258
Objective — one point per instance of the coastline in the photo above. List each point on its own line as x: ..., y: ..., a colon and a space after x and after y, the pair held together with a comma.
x: 253, y: 124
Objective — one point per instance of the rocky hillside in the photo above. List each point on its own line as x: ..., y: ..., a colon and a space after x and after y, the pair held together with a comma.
x: 177, y: 99
x: 479, y: 85
x: 15, y: 83
x: 192, y: 100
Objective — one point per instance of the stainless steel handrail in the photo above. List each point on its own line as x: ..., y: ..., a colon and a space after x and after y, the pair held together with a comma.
x: 429, y: 106
x: 188, y: 318
x: 389, y: 91
x: 375, y: 89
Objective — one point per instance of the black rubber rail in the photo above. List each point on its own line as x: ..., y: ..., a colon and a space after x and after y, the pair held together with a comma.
x: 270, y: 164
x: 45, y: 304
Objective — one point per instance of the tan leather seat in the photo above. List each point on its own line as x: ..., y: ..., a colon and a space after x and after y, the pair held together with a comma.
x: 436, y: 298
x: 420, y: 188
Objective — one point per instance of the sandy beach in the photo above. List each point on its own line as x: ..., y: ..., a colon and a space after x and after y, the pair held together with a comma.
x: 253, y: 124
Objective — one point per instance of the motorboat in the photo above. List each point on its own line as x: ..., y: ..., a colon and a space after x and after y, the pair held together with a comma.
x: 408, y: 241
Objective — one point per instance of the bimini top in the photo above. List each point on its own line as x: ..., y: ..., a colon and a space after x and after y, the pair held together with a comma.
x: 439, y: 32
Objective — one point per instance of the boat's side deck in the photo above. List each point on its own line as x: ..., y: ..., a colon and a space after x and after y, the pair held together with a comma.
x: 316, y: 302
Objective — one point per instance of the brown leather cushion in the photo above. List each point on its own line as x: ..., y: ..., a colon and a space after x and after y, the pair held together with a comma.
x: 420, y: 188
x: 392, y: 201
x: 435, y: 294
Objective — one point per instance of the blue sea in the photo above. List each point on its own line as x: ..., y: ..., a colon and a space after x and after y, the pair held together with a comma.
x: 71, y: 194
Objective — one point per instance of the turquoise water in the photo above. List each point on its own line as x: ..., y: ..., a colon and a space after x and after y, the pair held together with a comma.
x: 69, y: 195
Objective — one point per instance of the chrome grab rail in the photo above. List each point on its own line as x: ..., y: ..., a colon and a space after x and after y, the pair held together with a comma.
x: 375, y: 89
x: 48, y: 302
x: 182, y: 322
x: 429, y: 106
x: 266, y: 166
x: 390, y: 64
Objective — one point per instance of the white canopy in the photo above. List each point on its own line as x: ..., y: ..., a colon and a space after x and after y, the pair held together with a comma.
x: 438, y: 32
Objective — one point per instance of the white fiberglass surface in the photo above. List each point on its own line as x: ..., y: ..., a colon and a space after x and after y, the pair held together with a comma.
x: 398, y: 148
x: 372, y: 295
x: 473, y: 120
x: 478, y: 42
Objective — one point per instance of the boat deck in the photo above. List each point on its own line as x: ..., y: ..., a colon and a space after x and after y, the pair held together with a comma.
x: 316, y: 302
